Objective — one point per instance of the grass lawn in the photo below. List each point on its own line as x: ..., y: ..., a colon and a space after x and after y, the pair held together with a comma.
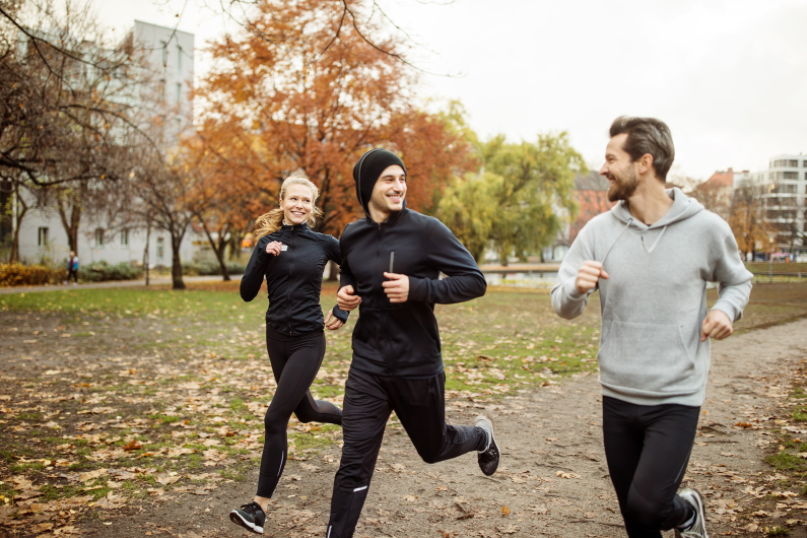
x: 169, y: 389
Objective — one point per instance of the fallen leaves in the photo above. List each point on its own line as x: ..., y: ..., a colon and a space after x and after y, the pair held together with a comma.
x: 134, y: 444
x: 91, y: 475
x: 563, y: 474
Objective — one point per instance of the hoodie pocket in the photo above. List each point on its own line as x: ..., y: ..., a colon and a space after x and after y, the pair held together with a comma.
x: 647, y: 359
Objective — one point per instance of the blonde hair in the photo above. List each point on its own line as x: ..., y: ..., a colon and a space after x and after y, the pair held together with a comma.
x: 270, y: 222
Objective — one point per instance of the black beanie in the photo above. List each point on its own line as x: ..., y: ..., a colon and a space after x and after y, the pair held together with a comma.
x: 369, y: 169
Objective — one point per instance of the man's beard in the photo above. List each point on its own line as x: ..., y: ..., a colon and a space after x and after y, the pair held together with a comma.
x: 623, y: 188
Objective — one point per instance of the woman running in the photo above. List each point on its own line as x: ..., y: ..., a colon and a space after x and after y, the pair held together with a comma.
x: 292, y: 257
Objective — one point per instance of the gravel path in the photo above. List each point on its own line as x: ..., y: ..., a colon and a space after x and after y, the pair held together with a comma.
x: 553, y: 480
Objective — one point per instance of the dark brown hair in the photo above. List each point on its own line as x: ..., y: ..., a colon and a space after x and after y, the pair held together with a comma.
x: 647, y: 135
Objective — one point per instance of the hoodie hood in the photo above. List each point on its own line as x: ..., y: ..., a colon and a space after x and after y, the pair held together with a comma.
x: 367, y: 171
x: 683, y: 207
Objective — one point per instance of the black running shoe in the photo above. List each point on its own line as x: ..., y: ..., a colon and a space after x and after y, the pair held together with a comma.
x: 250, y: 516
x: 489, y: 458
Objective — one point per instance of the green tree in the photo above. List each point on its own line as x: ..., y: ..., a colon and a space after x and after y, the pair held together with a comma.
x: 468, y: 208
x: 519, y: 201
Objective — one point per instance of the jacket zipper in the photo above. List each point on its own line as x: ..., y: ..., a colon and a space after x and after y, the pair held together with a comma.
x: 291, y: 264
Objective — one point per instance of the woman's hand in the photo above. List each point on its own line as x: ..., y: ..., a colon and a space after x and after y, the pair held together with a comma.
x: 332, y: 323
x: 274, y: 248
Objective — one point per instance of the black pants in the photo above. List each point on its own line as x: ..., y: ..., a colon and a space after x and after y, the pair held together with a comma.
x: 369, y: 401
x: 72, y: 274
x: 295, y: 362
x: 647, y: 448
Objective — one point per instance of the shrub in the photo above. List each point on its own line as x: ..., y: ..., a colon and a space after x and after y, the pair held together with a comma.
x: 204, y: 268
x: 17, y: 274
x: 102, y: 271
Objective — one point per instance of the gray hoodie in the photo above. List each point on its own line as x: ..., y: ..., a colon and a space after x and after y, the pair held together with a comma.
x: 654, y: 302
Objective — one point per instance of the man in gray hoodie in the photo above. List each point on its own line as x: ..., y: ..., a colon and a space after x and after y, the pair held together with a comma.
x: 651, y: 257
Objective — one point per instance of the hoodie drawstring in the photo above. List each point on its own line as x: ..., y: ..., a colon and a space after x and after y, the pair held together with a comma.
x: 656, y: 241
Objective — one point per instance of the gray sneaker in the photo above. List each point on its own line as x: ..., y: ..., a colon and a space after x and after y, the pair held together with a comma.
x: 698, y: 527
x: 488, y: 459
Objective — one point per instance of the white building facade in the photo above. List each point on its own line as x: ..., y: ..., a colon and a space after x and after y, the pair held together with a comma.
x: 786, y: 180
x: 42, y: 236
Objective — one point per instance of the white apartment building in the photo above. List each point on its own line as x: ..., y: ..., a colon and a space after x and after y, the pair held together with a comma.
x: 786, y: 178
x: 42, y: 236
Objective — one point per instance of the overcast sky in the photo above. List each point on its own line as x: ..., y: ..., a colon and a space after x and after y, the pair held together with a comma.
x: 728, y: 76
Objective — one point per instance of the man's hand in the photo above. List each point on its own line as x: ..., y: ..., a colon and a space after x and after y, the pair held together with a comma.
x: 397, y: 288
x: 332, y: 323
x: 716, y: 325
x: 346, y: 299
x: 588, y: 276
x: 274, y: 248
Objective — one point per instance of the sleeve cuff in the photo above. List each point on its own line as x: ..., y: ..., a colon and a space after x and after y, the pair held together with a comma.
x: 571, y: 291
x: 417, y: 289
x: 733, y: 314
x: 340, y: 314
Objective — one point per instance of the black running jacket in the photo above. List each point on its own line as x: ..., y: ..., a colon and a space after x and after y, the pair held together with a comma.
x: 402, y: 339
x: 294, y: 278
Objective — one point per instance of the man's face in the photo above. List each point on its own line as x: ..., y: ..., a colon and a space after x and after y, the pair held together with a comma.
x: 619, y: 169
x: 389, y: 191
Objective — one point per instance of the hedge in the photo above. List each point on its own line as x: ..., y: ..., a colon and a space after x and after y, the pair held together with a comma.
x: 17, y: 274
x: 210, y: 268
x: 102, y: 271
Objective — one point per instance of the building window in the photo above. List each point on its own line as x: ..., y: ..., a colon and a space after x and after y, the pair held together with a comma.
x: 124, y: 237
x: 99, y: 237
x: 165, y: 53
x: 179, y: 58
x: 786, y: 163
x: 160, y: 247
x: 804, y: 164
x: 179, y: 92
x: 42, y: 236
x: 791, y: 175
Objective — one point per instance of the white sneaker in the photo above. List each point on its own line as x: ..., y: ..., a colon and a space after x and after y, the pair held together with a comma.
x: 698, y: 527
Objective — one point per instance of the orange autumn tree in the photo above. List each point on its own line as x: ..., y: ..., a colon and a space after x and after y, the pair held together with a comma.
x: 307, y: 88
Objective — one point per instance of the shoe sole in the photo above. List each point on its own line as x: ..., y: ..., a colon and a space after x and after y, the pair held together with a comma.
x: 494, y: 445
x: 236, y: 518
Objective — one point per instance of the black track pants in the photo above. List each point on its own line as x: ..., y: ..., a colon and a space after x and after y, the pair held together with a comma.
x: 647, y: 448
x: 295, y: 362
x: 369, y: 401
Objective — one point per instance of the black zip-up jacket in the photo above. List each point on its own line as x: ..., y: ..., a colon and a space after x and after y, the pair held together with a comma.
x: 402, y: 339
x: 294, y: 278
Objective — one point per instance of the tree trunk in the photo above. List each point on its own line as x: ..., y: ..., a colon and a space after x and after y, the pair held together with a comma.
x: 71, y: 224
x: 19, y: 214
x: 218, y: 250
x: 176, y: 264
x: 146, y: 251
x: 15, y: 238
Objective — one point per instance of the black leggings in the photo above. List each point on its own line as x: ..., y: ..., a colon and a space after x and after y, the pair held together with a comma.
x: 369, y: 401
x: 72, y: 274
x: 647, y: 448
x: 295, y: 362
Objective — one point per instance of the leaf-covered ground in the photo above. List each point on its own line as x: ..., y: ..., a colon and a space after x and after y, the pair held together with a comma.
x: 114, y: 398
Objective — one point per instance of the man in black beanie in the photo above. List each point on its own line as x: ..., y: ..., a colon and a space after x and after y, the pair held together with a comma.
x: 392, y: 260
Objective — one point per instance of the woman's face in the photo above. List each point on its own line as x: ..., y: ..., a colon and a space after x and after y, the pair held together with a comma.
x: 297, y: 205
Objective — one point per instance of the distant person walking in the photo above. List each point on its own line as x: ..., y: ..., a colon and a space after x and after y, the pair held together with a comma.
x: 391, y: 271
x: 651, y: 257
x: 292, y: 258
x: 72, y: 269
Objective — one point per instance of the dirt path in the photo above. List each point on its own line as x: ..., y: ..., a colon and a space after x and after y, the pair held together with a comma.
x: 553, y: 479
